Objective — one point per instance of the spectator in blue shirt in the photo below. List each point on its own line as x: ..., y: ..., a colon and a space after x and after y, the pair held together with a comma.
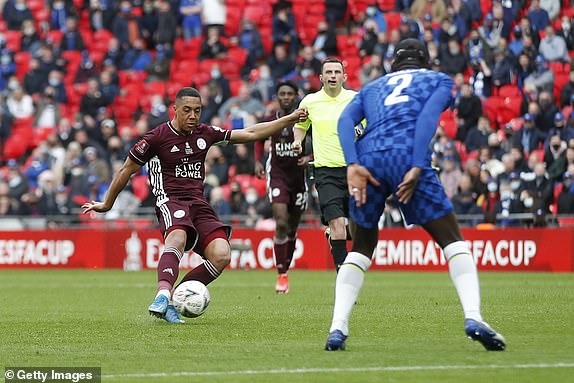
x: 538, y: 16
x: 191, y: 18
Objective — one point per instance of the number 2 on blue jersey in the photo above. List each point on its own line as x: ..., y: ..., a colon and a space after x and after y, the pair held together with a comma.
x: 400, y: 82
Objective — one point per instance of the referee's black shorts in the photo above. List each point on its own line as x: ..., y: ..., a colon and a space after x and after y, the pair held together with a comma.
x: 331, y: 186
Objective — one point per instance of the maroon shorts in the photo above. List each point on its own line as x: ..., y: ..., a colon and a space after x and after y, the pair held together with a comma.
x: 288, y: 188
x: 195, y: 215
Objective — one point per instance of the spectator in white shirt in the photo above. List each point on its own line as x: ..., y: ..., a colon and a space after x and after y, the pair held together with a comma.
x: 20, y: 104
x: 553, y: 47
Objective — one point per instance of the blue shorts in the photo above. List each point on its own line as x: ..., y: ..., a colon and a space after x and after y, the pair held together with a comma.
x: 429, y: 201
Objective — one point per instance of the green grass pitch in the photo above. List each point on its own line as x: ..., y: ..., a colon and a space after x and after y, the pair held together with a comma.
x: 406, y: 327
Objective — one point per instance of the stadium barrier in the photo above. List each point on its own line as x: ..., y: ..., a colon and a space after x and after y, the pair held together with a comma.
x: 517, y: 249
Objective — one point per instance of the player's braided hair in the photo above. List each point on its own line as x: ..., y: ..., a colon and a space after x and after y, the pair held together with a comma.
x: 410, y: 53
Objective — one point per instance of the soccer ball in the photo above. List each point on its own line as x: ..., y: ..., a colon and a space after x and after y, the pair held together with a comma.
x: 191, y: 299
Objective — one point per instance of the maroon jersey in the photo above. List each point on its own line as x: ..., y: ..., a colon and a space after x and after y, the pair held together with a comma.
x: 175, y: 161
x: 281, y: 156
x: 286, y: 180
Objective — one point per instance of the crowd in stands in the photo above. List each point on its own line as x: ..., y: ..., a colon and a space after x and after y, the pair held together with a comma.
x: 81, y: 80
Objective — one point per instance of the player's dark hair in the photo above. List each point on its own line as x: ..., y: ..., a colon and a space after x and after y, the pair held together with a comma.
x: 410, y: 53
x: 332, y: 60
x: 287, y: 83
x: 187, y: 92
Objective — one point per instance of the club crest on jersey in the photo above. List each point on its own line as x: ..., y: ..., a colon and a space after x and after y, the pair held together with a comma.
x: 142, y: 147
x: 285, y: 132
x: 188, y: 149
x: 174, y: 149
x: 201, y: 144
x: 179, y: 214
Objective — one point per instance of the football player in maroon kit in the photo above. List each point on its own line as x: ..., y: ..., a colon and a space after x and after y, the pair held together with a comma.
x: 286, y: 184
x: 175, y: 154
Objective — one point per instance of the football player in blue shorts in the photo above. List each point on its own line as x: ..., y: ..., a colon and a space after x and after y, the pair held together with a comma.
x: 392, y: 159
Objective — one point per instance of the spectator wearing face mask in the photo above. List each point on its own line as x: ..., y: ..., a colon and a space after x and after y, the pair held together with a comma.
x: 529, y: 137
x: 534, y: 207
x: 565, y: 31
x: 545, y: 118
x: 158, y: 68
x: 452, y: 60
x: 507, y: 206
x: 30, y: 39
x: 538, y: 16
x: 56, y: 81
x: 489, y: 198
x: 14, y: 13
x: 158, y: 112
x: 566, y: 196
x: 553, y: 47
x: 560, y: 128
x: 7, y: 68
x: 126, y: 27
x: 191, y: 18
x: 539, y: 185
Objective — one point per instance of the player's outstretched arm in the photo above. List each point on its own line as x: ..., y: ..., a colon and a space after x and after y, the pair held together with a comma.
x: 265, y: 129
x: 298, y: 137
x: 119, y: 181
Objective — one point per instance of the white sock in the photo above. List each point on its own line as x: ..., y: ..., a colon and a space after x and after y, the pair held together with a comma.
x: 464, y: 276
x: 164, y: 292
x: 349, y: 282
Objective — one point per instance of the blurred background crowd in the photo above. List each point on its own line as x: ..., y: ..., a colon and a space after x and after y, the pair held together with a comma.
x: 81, y: 80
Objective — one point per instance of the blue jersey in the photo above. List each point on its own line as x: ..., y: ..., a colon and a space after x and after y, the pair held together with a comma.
x: 402, y: 110
x: 398, y: 112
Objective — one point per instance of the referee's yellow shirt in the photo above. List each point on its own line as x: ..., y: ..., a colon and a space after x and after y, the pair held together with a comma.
x: 324, y: 112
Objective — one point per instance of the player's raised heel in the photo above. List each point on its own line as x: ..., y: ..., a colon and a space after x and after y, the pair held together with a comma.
x: 159, y: 305
x: 172, y: 316
x: 282, y: 285
x: 482, y: 332
x: 335, y: 341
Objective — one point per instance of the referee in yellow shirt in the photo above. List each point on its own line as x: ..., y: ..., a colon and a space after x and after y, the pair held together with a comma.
x: 325, y: 107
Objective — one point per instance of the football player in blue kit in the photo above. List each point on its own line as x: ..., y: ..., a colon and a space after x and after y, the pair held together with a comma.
x: 392, y: 159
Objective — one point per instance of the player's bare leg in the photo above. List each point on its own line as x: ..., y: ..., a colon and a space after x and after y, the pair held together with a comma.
x: 217, y: 255
x: 338, y: 240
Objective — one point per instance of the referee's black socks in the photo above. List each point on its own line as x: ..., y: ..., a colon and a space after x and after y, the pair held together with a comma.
x: 339, y: 251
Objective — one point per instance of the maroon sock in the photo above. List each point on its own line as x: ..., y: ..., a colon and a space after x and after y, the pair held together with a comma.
x: 168, y: 266
x: 204, y: 273
x: 281, y: 250
x: 291, y: 244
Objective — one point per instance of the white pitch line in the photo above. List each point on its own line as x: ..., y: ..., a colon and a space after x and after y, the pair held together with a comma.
x: 324, y: 370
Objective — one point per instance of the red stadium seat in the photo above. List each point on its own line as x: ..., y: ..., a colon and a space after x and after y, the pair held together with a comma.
x: 155, y: 87
x: 393, y: 20
x: 558, y: 67
x: 490, y: 108
x: 450, y: 127
x: 386, y: 5
x: 357, y: 7
x: 234, y: 86
x: 22, y: 61
x: 54, y: 36
x: 237, y: 56
x: 509, y: 90
x: 348, y: 44
x: 35, y: 5
x: 13, y: 40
